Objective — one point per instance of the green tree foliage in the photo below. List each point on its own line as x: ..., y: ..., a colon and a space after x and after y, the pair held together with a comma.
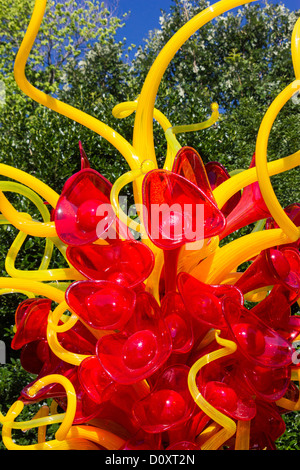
x: 242, y: 61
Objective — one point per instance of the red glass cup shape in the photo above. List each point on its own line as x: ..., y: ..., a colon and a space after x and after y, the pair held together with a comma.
x: 266, y: 427
x: 250, y: 208
x: 138, y: 352
x: 31, y: 321
x: 177, y: 212
x: 93, y: 378
x: 103, y: 305
x: 178, y: 321
x: 255, y: 340
x: 127, y: 263
x: 203, y: 301
x: 268, y: 383
x: 169, y: 404
x: 189, y: 164
x: 270, y: 267
x: 83, y: 213
x: 217, y: 174
x: 274, y: 310
x: 222, y: 385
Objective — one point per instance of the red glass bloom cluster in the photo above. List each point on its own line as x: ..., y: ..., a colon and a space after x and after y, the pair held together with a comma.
x: 140, y: 348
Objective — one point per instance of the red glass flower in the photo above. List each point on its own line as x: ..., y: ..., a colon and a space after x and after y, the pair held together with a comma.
x: 103, y: 305
x: 169, y: 404
x: 83, y: 212
x: 127, y: 263
x: 255, y: 340
x: 93, y: 378
x: 31, y: 321
x: 141, y: 349
x: 203, y: 301
x: 176, y: 211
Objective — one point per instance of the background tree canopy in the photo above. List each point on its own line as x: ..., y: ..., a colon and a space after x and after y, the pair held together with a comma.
x: 242, y: 61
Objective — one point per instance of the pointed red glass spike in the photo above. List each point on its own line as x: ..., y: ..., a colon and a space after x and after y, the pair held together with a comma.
x: 270, y: 267
x: 189, y: 164
x: 169, y: 404
x: 102, y: 305
x: 93, y: 378
x: 83, y: 158
x: 176, y: 211
x: 217, y: 174
x: 127, y: 263
x: 203, y: 301
x: 83, y: 212
x: 31, y: 321
x: 255, y: 340
x: 267, y: 383
x: 138, y: 352
x: 250, y: 208
x: 179, y: 322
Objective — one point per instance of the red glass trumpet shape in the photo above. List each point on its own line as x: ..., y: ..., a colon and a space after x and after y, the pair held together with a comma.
x: 103, y: 305
x: 31, y: 321
x: 127, y: 263
x: 169, y: 404
x: 204, y: 302
x: 93, y: 378
x: 250, y: 208
x: 267, y: 383
x: 189, y: 164
x: 270, y: 267
x: 177, y: 212
x: 217, y: 174
x: 274, y: 310
x: 222, y: 385
x: 255, y: 340
x: 83, y: 212
x: 141, y: 349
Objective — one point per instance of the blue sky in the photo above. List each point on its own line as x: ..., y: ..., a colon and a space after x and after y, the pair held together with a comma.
x: 145, y: 16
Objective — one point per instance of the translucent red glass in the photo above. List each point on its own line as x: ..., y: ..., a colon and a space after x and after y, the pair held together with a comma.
x: 169, y: 404
x: 173, y: 210
x: 83, y: 212
x: 249, y: 209
x: 141, y: 349
x: 217, y: 174
x: 101, y: 304
x: 127, y: 263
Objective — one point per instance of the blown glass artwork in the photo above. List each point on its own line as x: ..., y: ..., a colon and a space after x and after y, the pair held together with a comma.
x: 146, y: 339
